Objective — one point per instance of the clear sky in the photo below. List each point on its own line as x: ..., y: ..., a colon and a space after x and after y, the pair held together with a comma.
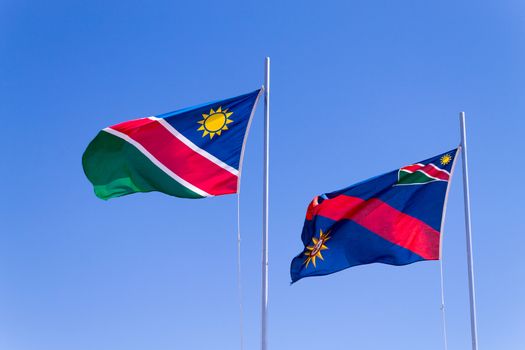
x: 359, y: 88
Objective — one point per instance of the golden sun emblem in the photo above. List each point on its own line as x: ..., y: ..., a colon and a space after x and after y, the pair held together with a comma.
x: 215, y: 122
x: 314, y: 251
x: 446, y: 159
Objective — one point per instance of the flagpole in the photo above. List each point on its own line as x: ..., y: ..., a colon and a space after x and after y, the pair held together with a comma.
x: 470, y: 260
x: 264, y: 299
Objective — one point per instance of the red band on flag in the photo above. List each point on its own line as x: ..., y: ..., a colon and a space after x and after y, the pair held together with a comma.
x: 385, y: 221
x: 434, y: 171
x: 429, y: 170
x: 178, y: 157
x: 412, y: 168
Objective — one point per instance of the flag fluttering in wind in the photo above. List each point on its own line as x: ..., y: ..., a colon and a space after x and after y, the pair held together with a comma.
x: 395, y: 218
x: 191, y: 153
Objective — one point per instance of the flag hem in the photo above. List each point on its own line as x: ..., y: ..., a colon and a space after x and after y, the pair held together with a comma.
x: 241, y: 160
x: 444, y: 212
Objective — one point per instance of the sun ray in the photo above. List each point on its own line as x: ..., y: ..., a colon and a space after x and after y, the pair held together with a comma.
x: 215, y: 122
x: 313, y: 251
x: 445, y: 159
x: 307, y: 262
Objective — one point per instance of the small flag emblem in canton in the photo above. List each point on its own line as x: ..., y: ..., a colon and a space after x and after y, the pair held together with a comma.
x: 419, y: 174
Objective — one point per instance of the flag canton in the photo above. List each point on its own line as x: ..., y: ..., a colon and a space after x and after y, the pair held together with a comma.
x: 218, y: 127
x: 433, y: 169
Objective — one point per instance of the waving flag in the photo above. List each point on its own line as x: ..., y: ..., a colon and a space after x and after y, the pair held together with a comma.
x: 395, y: 218
x: 192, y: 153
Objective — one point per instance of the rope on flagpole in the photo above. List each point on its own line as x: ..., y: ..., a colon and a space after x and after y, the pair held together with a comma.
x: 443, y: 317
x: 239, y: 275
x: 443, y: 314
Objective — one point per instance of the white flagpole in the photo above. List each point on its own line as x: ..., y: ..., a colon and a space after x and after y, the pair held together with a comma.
x: 470, y: 260
x: 264, y: 299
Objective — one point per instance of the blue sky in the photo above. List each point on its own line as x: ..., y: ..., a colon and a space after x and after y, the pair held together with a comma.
x: 359, y: 88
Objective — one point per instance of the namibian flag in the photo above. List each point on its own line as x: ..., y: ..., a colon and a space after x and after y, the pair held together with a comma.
x: 191, y: 153
x: 395, y: 219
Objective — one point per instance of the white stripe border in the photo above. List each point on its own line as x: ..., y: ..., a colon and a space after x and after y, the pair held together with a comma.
x: 194, y: 147
x: 157, y: 162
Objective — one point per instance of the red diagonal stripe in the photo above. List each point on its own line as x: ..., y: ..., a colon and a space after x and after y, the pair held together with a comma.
x: 435, y: 172
x: 179, y: 158
x: 412, y: 167
x: 385, y: 221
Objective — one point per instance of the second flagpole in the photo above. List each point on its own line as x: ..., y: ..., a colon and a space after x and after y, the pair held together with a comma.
x: 264, y: 299
x: 470, y: 260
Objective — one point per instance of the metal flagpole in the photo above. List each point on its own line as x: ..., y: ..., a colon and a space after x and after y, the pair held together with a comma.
x: 264, y: 299
x: 470, y: 260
